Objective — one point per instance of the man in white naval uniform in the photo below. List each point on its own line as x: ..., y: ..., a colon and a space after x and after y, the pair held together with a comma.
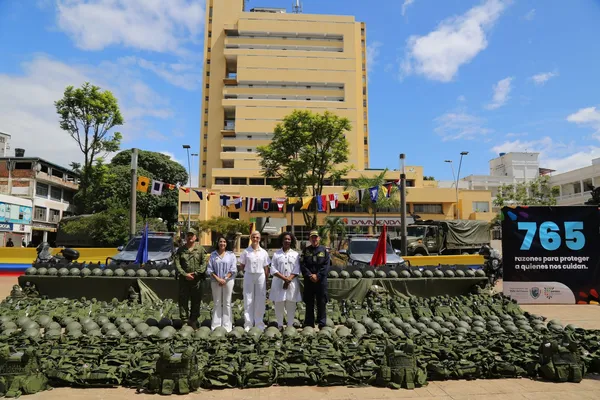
x: 285, y: 288
x: 255, y: 261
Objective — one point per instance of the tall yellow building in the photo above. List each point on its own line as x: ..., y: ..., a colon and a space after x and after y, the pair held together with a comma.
x: 261, y: 65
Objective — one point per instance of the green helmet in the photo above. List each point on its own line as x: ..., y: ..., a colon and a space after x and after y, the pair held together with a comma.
x: 290, y: 332
x: 479, y: 273
x: 125, y: 327
x: 52, y: 271
x: 94, y: 333
x: 53, y: 326
x: 404, y: 274
x: 272, y: 332
x: 109, y: 326
x: 420, y: 326
x: 369, y: 274
x: 130, y: 273
x: 397, y: 333
x: 113, y: 333
x: 397, y: 321
x: 151, y: 331
x: 356, y: 274
x: 448, y: 325
x: 460, y: 273
x: 462, y: 324
x: 428, y: 273
x: 31, y: 271
x: 108, y: 272
x: 254, y: 332
x: 497, y: 329
x: 449, y: 273
x: 381, y: 274
x: 44, y: 320
x: 478, y: 329
x: 526, y: 328
x: 165, y: 335
x: 141, y: 273
x: 219, y: 332
x: 132, y: 334
x: 438, y: 273
x: 416, y: 273
x: 135, y: 321
x: 366, y: 321
x: 494, y: 318
x: 453, y: 319
x: 74, y: 334
x: 430, y: 332
x: 97, y: 272
x: 308, y: 331
x: 343, y: 331
x: 42, y: 271
x: 435, y: 326
x: 202, y: 333
x: 90, y: 326
x: 438, y: 319
x: 32, y: 333
x: 554, y: 322
x: 358, y: 327
x: 392, y: 274
x: 344, y: 274
x: 571, y: 327
x: 333, y: 274
x: 141, y: 327
x: 466, y: 318
x: 74, y: 271
x: 235, y: 334
x: 63, y: 272
x: 86, y: 272
x: 511, y: 328
x: 329, y: 322
x: 52, y: 334
x: 163, y: 272
x: 73, y: 326
x: 102, y: 319
x: 119, y: 272
x: 189, y: 329
x: 470, y: 273
x: 9, y: 325
x: 555, y: 327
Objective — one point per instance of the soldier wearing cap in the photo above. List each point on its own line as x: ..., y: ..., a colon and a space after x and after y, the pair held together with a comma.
x: 191, y: 267
x: 314, y: 264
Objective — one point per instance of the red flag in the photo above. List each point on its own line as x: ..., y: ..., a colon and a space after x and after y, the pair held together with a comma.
x: 380, y: 255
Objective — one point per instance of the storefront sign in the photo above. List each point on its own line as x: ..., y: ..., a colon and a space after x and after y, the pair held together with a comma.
x: 551, y: 254
x: 6, y: 226
x: 366, y: 221
x: 14, y: 213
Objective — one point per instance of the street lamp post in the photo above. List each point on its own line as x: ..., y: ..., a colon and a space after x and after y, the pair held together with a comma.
x: 404, y: 249
x: 187, y: 148
x: 453, y: 174
x: 462, y: 154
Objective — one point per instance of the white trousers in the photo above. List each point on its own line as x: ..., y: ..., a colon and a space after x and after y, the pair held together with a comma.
x: 285, y: 307
x: 222, y: 305
x: 255, y: 297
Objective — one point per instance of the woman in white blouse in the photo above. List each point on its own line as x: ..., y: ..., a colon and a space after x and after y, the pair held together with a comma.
x: 255, y: 263
x: 222, y: 267
x: 285, y: 289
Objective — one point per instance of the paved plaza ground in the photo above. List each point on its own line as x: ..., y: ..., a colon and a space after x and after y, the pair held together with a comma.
x: 585, y: 316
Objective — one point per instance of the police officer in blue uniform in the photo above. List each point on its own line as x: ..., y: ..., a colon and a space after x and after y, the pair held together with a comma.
x: 314, y: 263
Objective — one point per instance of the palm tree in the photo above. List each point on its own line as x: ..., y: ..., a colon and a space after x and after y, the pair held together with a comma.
x: 364, y: 182
x: 334, y: 226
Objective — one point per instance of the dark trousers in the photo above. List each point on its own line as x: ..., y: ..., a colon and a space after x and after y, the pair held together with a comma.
x: 315, y: 292
x: 189, y: 291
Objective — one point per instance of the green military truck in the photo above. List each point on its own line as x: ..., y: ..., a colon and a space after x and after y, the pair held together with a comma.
x: 430, y: 237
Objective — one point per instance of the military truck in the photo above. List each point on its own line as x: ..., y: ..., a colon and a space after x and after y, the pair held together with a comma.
x: 430, y: 237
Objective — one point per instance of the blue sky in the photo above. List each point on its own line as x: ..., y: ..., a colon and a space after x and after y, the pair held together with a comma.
x: 444, y: 76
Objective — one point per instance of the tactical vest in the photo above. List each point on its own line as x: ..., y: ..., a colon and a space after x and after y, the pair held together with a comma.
x: 175, y: 373
x: 400, y: 369
x: 295, y: 374
x: 561, y: 362
x: 20, y: 373
x: 258, y: 371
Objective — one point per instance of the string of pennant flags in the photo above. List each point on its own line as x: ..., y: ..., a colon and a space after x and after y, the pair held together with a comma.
x: 323, y: 202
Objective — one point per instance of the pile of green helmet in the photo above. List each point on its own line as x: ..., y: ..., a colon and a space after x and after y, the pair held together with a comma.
x: 75, y: 269
x: 384, y: 341
x: 408, y: 273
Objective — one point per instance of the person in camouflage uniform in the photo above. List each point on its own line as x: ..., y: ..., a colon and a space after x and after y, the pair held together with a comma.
x: 190, y: 263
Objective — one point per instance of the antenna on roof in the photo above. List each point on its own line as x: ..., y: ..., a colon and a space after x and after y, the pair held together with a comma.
x: 297, y: 7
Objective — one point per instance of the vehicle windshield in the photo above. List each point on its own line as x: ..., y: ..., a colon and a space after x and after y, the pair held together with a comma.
x: 367, y: 247
x: 155, y: 245
x: 417, y: 231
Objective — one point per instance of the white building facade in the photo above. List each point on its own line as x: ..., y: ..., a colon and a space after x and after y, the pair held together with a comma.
x: 576, y: 186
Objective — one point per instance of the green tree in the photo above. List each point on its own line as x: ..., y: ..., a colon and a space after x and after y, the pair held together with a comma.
x: 366, y: 182
x: 595, y: 199
x: 225, y: 226
x: 88, y: 114
x: 537, y: 192
x: 333, y: 229
x: 108, y: 228
x: 306, y: 149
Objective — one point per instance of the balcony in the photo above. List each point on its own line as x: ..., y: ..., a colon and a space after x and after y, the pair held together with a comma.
x: 574, y: 199
x: 228, y: 128
x: 230, y: 79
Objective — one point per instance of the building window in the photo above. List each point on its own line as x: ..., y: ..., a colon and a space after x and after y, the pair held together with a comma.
x: 205, y: 123
x: 209, y: 33
x: 205, y: 136
x: 239, y: 181
x: 428, y: 208
x: 234, y: 215
x: 41, y: 190
x: 39, y: 213
x: 206, y: 98
x: 23, y: 165
x: 206, y: 111
x: 366, y: 141
x: 207, y: 73
x: 257, y: 181
x: 194, y: 209
x: 481, y: 206
x: 55, y: 193
x: 203, y: 175
x: 207, y: 86
x: 208, y: 62
x: 68, y: 196
x: 55, y: 216
x: 204, y: 150
x: 364, y: 103
x: 204, y: 162
x: 222, y: 181
x: 271, y: 181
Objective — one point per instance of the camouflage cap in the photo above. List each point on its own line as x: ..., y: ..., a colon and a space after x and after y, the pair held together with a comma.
x: 314, y: 233
x: 192, y: 231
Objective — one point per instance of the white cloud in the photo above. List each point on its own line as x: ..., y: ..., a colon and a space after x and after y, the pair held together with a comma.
x: 405, y: 5
x: 461, y: 98
x: 373, y: 55
x: 501, y: 93
x: 559, y: 156
x: 460, y: 125
x: 530, y: 15
x: 515, y: 134
x: 456, y: 41
x: 172, y: 157
x: 155, y: 25
x: 172, y: 73
x: 29, y: 114
x: 589, y: 116
x: 543, y: 77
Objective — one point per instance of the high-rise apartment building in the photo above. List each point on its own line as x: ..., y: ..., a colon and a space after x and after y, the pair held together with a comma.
x: 261, y: 65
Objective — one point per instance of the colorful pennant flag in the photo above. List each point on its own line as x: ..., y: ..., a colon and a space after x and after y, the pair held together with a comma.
x: 186, y: 190
x: 320, y: 204
x: 280, y: 203
x: 199, y: 193
x: 374, y: 193
x: 346, y: 195
x: 157, y: 188
x: 170, y: 186
x: 306, y: 202
x: 224, y: 200
x: 142, y: 184
x: 333, y: 201
x: 292, y: 200
x: 250, y: 204
x: 387, y: 189
x: 359, y: 195
x: 266, y: 204
x: 237, y: 201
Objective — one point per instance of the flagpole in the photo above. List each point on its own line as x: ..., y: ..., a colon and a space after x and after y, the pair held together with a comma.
x: 133, y: 193
x: 404, y: 249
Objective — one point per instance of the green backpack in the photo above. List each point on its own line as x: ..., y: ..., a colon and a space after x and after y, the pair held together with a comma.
x: 258, y: 372
x: 20, y: 372
x: 560, y: 362
x: 399, y: 369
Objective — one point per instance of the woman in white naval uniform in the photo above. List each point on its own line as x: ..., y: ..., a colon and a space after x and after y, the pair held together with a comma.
x: 285, y: 289
x: 255, y: 264
x: 222, y: 267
